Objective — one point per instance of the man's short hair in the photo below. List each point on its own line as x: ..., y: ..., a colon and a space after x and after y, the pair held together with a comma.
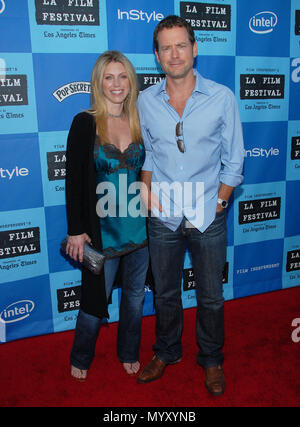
x: 170, y: 22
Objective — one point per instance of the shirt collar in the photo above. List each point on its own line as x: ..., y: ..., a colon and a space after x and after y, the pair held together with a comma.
x: 200, y: 85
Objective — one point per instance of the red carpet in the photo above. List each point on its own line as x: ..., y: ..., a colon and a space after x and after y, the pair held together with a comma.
x: 262, y: 364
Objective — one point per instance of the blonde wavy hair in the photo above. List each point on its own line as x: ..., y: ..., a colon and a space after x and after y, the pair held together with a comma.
x: 98, y: 106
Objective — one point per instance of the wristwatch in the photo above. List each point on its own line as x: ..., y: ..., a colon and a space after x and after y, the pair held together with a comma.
x: 223, y: 203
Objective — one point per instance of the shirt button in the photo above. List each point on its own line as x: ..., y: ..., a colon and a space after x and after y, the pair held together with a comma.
x: 181, y: 168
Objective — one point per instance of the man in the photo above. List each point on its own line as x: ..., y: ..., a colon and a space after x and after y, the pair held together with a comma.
x: 192, y: 135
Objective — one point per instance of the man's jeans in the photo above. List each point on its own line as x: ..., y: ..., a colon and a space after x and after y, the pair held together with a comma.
x: 134, y: 270
x: 208, y: 252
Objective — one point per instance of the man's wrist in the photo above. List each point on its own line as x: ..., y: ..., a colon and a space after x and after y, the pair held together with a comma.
x: 222, y: 203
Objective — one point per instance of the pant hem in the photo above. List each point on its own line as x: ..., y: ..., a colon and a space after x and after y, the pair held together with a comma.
x: 172, y: 362
x: 79, y: 365
x: 210, y: 364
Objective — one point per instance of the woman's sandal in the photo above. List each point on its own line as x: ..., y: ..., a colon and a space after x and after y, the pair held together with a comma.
x: 78, y: 374
x: 132, y: 368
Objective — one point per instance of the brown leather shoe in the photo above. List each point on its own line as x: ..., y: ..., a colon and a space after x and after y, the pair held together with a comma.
x: 153, y: 371
x: 215, y: 380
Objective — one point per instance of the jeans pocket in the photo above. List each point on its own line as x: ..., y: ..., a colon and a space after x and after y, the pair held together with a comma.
x: 218, y: 226
x: 155, y: 227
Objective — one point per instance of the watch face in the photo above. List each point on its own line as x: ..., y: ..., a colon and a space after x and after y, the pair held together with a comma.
x: 223, y: 203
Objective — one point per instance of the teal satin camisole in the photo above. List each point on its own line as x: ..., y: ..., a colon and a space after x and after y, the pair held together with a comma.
x: 122, y: 223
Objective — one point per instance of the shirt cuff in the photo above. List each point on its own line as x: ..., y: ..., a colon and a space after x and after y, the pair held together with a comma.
x: 147, y: 166
x: 231, y: 180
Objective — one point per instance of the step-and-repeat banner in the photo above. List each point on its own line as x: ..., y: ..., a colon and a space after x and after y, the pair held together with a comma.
x: 48, y: 49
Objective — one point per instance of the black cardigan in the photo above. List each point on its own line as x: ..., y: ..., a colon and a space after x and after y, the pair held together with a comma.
x: 81, y: 202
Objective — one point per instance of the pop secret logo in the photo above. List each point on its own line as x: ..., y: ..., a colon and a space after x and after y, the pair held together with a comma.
x: 263, y: 22
x: 70, y: 89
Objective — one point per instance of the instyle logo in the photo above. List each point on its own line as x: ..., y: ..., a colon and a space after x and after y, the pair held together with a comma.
x: 67, y: 12
x: 139, y: 15
x: 2, y: 6
x: 263, y: 22
x: 13, y: 173
x: 70, y: 89
x: 17, y: 311
x: 262, y: 152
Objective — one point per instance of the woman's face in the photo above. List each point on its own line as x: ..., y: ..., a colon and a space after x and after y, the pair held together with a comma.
x: 115, y: 83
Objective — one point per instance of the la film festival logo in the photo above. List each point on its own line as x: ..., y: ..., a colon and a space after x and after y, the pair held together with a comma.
x: 67, y: 12
x: 19, y: 242
x: 295, y: 148
x: 68, y: 299
x: 13, y: 90
x: 146, y: 80
x: 259, y: 210
x: 262, y: 86
x: 206, y: 16
x: 293, y: 260
x: 297, y: 23
x: 56, y: 161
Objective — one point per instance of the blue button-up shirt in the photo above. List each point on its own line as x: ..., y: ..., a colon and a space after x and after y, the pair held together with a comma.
x: 187, y: 183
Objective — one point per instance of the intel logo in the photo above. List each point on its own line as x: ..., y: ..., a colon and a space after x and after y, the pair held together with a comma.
x: 17, y: 311
x: 263, y: 22
x: 2, y: 6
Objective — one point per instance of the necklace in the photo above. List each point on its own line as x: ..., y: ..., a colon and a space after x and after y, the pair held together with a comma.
x: 115, y: 116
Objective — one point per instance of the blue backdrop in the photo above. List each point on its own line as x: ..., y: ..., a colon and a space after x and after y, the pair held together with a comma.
x: 48, y: 48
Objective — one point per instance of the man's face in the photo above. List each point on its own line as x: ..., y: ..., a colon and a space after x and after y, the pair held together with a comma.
x: 176, y: 53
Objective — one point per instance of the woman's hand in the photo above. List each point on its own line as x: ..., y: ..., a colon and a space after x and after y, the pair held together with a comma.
x: 75, y: 246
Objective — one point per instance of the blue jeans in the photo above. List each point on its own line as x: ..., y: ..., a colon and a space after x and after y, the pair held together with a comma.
x: 134, y: 270
x: 208, y: 252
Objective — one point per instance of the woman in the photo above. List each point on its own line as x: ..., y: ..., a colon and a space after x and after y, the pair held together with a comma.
x: 105, y: 149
